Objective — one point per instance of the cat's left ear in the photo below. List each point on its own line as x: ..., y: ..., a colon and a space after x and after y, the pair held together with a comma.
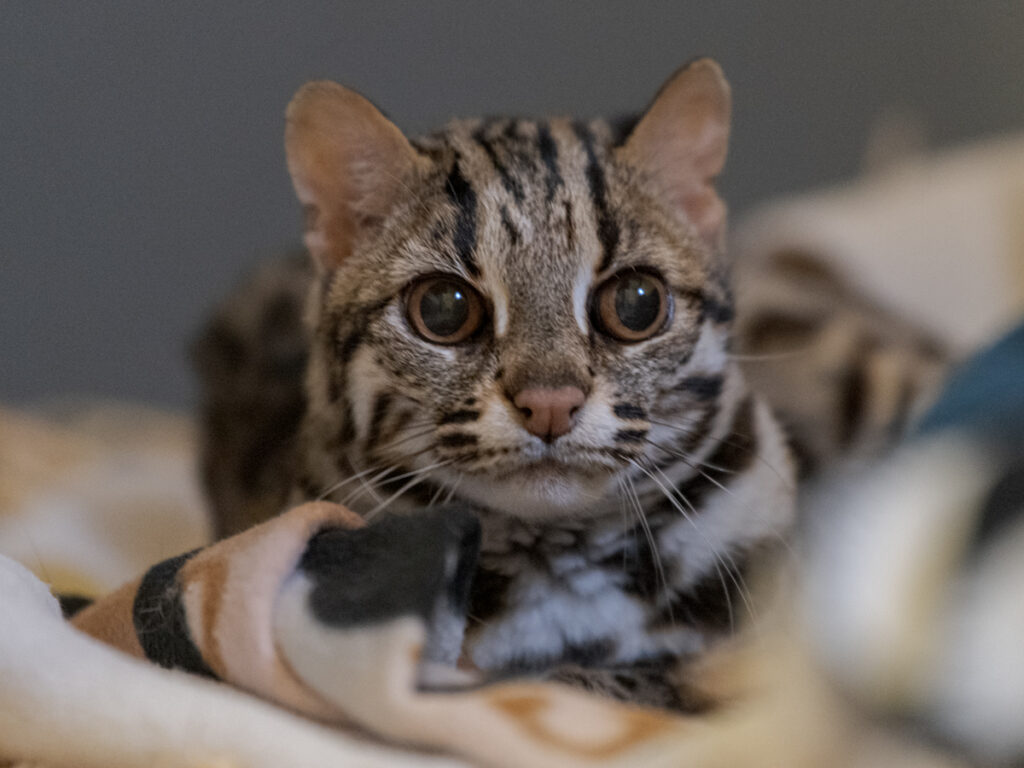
x: 349, y: 165
x: 681, y: 141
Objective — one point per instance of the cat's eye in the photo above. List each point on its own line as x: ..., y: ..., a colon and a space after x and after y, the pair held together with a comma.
x: 631, y: 306
x: 444, y: 310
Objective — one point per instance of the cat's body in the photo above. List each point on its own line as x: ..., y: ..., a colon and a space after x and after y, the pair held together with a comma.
x: 532, y: 317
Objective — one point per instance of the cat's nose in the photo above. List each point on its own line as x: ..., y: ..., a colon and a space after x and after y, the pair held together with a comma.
x: 547, y: 413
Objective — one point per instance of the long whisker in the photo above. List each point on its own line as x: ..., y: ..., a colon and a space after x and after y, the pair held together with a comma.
x: 626, y: 528
x: 686, y: 516
x: 736, y: 575
x: 688, y: 459
x: 725, y: 439
x: 699, y: 467
x: 749, y: 509
x: 649, y: 535
x: 417, y: 477
x: 735, y: 572
x: 437, y: 494
x: 685, y: 430
x: 394, y: 444
x: 369, y: 487
x: 379, y: 480
x: 339, y: 485
x: 451, y: 491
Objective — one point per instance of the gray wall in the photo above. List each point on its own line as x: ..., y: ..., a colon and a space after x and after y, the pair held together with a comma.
x: 141, y: 166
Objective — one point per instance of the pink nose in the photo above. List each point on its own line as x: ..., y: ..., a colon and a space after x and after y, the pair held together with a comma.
x: 548, y: 412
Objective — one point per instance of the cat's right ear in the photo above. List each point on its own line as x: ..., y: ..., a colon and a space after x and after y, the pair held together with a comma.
x: 349, y: 165
x: 681, y: 141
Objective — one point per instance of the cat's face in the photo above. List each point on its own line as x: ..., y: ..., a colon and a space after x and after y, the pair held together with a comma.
x: 518, y: 309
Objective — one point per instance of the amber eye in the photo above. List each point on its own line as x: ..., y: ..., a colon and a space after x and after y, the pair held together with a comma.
x: 631, y: 306
x: 444, y: 310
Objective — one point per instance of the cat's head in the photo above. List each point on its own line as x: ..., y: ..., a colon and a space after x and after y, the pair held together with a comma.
x: 516, y: 305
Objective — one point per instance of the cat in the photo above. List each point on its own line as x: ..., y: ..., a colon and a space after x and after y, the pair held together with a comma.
x: 535, y: 318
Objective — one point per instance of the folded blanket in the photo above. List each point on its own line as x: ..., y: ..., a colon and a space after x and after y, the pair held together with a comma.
x: 352, y: 624
x: 325, y: 648
x: 68, y: 700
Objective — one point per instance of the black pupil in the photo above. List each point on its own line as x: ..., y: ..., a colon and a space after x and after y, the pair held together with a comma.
x: 637, y: 302
x: 444, y: 309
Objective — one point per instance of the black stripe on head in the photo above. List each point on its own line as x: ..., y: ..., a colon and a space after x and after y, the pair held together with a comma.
x: 607, y: 226
x: 549, y: 154
x: 735, y: 452
x: 463, y: 197
x: 511, y: 184
x: 570, y: 227
x: 160, y: 622
x: 510, y: 228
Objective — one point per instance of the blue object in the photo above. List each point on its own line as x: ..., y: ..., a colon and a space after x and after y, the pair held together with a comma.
x: 985, y: 396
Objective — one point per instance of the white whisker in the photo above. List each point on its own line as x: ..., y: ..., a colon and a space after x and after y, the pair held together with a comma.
x: 339, y: 485
x: 690, y: 519
x: 649, y: 535
x: 417, y: 477
x: 369, y: 487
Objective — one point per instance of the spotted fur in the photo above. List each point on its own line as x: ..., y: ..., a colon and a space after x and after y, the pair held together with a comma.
x: 624, y: 545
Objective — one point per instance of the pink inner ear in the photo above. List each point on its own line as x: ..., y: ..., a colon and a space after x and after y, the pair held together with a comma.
x: 347, y: 162
x: 706, y: 212
x: 681, y: 144
x: 686, y: 162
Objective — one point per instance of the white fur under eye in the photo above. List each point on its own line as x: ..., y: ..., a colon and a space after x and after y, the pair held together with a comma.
x: 580, y: 292
x: 500, y: 298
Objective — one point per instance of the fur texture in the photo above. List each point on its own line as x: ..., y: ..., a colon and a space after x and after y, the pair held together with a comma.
x: 621, y: 548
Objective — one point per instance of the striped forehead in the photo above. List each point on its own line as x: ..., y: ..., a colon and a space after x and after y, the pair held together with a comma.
x: 533, y: 218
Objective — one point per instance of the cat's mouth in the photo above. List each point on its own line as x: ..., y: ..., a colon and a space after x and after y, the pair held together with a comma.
x: 545, y: 486
x: 547, y: 466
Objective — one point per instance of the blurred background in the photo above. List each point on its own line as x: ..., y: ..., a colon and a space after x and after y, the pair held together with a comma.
x: 141, y: 168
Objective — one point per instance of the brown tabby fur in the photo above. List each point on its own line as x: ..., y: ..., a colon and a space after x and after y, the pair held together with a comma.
x: 610, y: 554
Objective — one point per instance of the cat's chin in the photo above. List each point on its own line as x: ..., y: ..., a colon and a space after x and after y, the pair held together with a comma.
x: 540, y: 493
